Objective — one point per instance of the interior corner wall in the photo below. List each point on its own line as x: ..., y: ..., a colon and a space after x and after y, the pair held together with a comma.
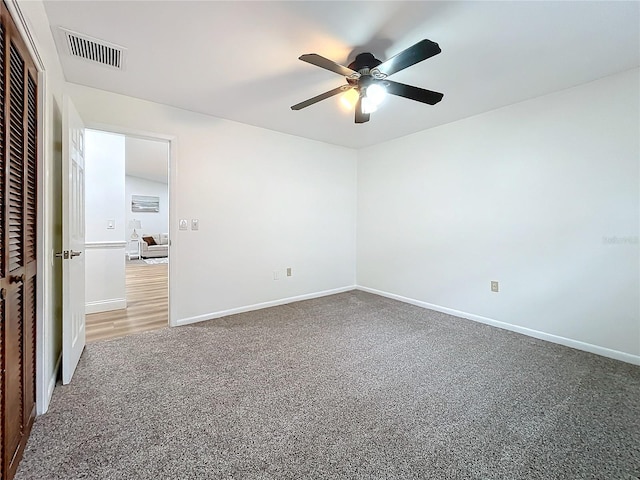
x: 151, y: 222
x: 104, y: 221
x: 265, y: 201
x: 541, y: 196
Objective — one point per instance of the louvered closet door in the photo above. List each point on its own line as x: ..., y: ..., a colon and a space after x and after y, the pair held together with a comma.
x: 18, y: 93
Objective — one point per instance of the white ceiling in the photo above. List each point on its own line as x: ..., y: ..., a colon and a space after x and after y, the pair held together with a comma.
x: 239, y: 60
x: 147, y: 159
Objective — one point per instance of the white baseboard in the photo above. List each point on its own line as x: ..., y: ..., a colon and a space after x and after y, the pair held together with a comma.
x: 54, y: 377
x: 258, y: 306
x: 567, y: 342
x: 106, y: 305
x: 51, y: 385
x: 105, y: 245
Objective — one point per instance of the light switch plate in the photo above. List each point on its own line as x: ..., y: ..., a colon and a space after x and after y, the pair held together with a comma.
x: 111, y: 224
x: 183, y: 225
x: 195, y: 223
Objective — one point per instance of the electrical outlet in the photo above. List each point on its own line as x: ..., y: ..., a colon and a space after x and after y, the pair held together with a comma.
x: 289, y: 272
x: 183, y: 224
x: 195, y: 224
x: 494, y: 286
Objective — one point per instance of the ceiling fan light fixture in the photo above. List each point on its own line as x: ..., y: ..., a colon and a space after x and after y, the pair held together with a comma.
x: 349, y: 99
x: 376, y: 94
x: 368, y: 106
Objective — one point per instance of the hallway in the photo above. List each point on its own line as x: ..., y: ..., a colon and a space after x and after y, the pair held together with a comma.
x: 147, y: 305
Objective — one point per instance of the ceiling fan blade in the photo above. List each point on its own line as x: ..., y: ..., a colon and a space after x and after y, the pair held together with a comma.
x: 361, y: 117
x: 317, y: 60
x: 322, y: 96
x: 412, y: 55
x: 413, y: 93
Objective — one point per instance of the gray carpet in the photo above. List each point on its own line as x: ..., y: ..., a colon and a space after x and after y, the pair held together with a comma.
x: 352, y: 386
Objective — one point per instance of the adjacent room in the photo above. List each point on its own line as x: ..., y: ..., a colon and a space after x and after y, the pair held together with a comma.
x: 384, y: 239
x: 126, y: 234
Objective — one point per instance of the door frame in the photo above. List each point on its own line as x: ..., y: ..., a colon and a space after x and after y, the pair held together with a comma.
x: 171, y: 189
x: 45, y: 381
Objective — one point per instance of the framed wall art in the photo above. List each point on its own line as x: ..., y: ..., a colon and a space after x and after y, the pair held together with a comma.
x: 145, y: 203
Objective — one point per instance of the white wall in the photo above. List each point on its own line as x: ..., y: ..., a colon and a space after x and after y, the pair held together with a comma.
x: 265, y: 201
x: 151, y: 222
x: 542, y: 196
x: 105, y: 206
x: 486, y: 221
x: 104, y: 182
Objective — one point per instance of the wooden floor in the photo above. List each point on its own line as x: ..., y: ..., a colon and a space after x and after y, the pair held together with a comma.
x: 147, y: 305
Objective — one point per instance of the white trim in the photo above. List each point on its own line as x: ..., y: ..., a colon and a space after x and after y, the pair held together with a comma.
x: 105, y: 245
x: 259, y: 306
x: 129, y: 132
x: 23, y: 27
x: 53, y: 380
x: 45, y: 259
x: 105, y: 305
x: 567, y: 342
x: 173, y: 229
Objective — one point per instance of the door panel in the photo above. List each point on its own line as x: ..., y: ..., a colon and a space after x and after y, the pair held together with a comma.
x: 3, y: 189
x: 29, y: 345
x: 31, y: 163
x: 16, y: 161
x: 73, y: 322
x: 18, y: 242
x: 13, y: 373
x: 15, y: 231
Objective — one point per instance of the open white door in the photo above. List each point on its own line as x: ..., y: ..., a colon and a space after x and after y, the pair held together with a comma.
x: 73, y: 308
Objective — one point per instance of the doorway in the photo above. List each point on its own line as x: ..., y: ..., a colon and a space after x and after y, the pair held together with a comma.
x: 127, y: 230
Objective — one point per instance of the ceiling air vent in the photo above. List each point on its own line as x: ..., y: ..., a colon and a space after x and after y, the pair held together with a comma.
x: 98, y: 51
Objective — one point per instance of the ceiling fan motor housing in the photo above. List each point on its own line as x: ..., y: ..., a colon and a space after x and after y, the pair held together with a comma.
x: 364, y: 64
x: 364, y: 61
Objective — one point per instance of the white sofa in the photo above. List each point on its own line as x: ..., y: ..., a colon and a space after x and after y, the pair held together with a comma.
x: 160, y: 249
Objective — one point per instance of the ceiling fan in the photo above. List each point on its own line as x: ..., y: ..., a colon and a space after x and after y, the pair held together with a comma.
x: 368, y: 77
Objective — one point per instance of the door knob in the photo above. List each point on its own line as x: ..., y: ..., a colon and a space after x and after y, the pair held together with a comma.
x: 17, y: 278
x: 75, y: 254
